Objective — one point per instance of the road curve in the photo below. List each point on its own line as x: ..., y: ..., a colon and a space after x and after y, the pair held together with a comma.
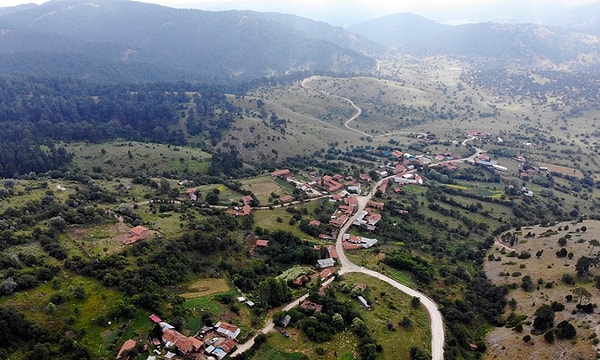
x: 350, y: 119
x: 435, y: 317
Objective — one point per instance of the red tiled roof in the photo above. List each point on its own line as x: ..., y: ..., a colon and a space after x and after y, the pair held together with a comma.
x: 309, y: 305
x: 262, y: 243
x: 326, y: 273
x: 155, y: 318
x: 332, y: 253
x: 127, y: 345
x: 283, y: 172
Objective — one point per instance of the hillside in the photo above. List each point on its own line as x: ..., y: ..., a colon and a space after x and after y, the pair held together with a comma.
x: 158, y: 43
x: 524, y: 45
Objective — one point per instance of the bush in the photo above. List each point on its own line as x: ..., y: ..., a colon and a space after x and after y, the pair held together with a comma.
x: 549, y: 337
x: 565, y: 330
x: 527, y: 338
x: 556, y: 306
x: 568, y: 279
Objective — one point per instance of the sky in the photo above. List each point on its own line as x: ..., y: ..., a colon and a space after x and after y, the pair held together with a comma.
x: 347, y: 12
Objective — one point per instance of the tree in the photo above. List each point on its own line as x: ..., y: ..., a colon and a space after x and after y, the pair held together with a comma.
x: 418, y: 354
x: 593, y: 244
x: 544, y: 318
x: 273, y: 292
x: 8, y: 286
x: 58, y: 223
x: 583, y: 265
x: 565, y: 330
x: 337, y: 321
x: 581, y: 293
x: 549, y: 337
x: 415, y: 302
x: 212, y: 198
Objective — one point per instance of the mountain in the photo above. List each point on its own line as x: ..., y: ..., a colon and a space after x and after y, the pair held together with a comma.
x: 124, y: 40
x: 398, y: 30
x: 526, y: 44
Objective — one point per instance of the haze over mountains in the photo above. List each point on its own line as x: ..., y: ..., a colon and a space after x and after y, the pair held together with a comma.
x: 119, y: 40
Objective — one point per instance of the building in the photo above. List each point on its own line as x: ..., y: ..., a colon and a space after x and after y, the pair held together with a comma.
x: 284, y: 173
x: 228, y: 330
x: 128, y: 345
x: 262, y: 243
x: 309, y: 305
x: 325, y: 263
x: 136, y: 234
x: 364, y: 302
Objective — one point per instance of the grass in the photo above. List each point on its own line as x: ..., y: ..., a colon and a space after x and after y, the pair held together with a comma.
x: 270, y: 353
x: 204, y: 287
x: 550, y: 269
x: 117, y: 158
x: 293, y: 272
x: 388, y: 304
x: 262, y: 187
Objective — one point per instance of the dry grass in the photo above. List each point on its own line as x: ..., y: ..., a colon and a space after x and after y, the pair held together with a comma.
x: 262, y: 187
x: 204, y: 287
x: 505, y: 343
x: 564, y: 170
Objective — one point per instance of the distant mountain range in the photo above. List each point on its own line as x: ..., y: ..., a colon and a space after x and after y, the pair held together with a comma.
x: 130, y: 41
x: 525, y: 44
x: 126, y: 41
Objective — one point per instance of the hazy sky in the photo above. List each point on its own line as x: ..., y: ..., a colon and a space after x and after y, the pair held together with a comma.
x: 345, y: 12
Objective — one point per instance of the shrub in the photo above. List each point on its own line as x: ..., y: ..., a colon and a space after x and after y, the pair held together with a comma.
x: 549, y: 337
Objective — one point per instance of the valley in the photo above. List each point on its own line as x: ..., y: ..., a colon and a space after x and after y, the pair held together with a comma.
x: 278, y: 188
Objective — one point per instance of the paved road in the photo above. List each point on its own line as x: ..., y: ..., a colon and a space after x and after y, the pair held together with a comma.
x: 435, y: 317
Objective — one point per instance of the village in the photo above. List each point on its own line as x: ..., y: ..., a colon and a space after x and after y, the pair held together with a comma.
x: 216, y: 342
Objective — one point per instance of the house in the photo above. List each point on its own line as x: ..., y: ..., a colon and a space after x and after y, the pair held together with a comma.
x: 301, y: 280
x: 325, y: 273
x: 332, y: 252
x: 352, y: 201
x: 284, y: 173
x: 247, y: 199
x: 135, y: 234
x: 376, y: 204
x: 226, y: 344
x: 155, y: 319
x: 286, y: 199
x: 226, y: 329
x: 139, y: 231
x: 246, y: 210
x: 127, y: 346
x: 338, y: 222
x: 315, y: 223
x: 309, y: 305
x: 285, y: 321
x: 191, y: 192
x: 325, y: 263
x: 262, y: 243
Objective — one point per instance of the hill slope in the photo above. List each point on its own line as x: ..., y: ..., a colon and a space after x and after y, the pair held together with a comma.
x: 163, y: 43
x: 523, y: 44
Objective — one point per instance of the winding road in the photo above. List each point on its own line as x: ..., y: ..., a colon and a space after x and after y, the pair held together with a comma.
x: 435, y: 317
x: 356, y: 114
